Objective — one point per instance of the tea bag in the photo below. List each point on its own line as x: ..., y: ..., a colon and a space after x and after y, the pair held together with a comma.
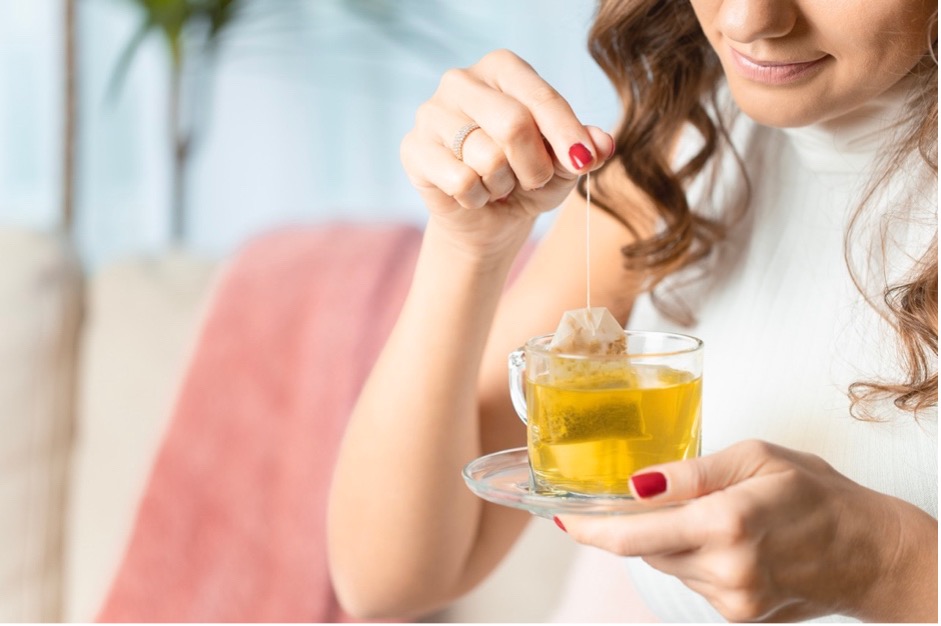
x: 592, y: 330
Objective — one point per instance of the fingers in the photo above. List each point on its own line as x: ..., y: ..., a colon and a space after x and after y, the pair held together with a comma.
x: 484, y: 175
x: 682, y: 565
x: 603, y: 143
x: 483, y: 156
x: 518, y: 109
x: 502, y: 118
x: 685, y: 480
x: 529, y: 139
x: 664, y: 531
x: 431, y: 167
x: 569, y: 139
x: 737, y: 596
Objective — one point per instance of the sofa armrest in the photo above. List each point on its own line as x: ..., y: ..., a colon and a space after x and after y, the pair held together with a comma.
x: 143, y: 314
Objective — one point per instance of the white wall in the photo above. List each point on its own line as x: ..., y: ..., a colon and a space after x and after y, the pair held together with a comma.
x: 309, y: 102
x: 30, y: 93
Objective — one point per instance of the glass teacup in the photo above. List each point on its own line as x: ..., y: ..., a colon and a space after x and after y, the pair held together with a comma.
x: 594, y: 420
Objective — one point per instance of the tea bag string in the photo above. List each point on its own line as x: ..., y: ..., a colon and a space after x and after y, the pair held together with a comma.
x: 588, y: 240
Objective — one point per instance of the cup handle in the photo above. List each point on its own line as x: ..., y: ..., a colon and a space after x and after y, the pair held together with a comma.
x: 517, y: 367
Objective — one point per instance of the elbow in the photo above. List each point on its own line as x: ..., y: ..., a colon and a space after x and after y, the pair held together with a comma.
x: 358, y: 600
x: 362, y: 605
x: 377, y: 589
x: 359, y: 592
x: 373, y: 587
x: 364, y: 598
x: 376, y: 577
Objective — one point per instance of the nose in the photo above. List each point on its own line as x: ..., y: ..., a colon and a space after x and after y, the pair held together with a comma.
x: 746, y: 21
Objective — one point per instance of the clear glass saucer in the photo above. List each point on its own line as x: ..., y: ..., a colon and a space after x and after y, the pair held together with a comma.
x: 503, y: 478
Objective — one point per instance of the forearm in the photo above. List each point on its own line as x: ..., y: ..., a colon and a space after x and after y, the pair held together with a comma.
x: 401, y: 523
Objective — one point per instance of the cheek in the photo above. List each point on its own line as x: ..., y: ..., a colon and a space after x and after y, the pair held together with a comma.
x: 872, y: 72
x: 705, y: 11
x: 877, y: 40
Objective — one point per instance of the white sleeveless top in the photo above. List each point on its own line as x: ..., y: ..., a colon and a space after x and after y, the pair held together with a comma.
x: 786, y: 331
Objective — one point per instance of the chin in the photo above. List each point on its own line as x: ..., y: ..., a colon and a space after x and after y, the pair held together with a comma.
x: 780, y: 109
x: 781, y: 118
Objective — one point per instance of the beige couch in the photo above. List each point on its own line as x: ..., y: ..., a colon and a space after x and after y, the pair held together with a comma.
x: 89, y: 371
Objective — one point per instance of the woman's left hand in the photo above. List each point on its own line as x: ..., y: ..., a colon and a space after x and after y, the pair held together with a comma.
x: 771, y: 534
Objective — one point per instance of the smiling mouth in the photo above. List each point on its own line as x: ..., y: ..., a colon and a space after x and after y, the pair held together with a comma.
x: 774, y: 72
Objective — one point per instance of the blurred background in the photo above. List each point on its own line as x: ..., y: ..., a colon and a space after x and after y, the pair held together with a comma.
x: 294, y: 109
x: 144, y: 145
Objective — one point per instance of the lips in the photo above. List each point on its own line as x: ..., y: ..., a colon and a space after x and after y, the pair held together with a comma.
x: 775, y: 72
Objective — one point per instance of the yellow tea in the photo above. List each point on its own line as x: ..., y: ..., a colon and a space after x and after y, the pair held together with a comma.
x: 592, y: 426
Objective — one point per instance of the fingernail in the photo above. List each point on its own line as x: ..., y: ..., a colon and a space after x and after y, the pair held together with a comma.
x: 580, y: 156
x: 559, y: 523
x: 649, y: 484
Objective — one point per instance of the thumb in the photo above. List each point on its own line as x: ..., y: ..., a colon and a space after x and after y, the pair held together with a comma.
x: 685, y: 480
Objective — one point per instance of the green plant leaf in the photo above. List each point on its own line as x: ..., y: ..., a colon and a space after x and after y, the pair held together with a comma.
x: 119, y: 75
x: 170, y: 18
x: 221, y: 13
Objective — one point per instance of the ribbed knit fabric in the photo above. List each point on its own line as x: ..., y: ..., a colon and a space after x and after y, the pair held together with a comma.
x: 231, y: 526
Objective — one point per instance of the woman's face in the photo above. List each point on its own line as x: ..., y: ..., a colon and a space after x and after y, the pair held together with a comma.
x: 797, y: 62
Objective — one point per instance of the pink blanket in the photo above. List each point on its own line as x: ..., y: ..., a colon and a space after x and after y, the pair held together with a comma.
x: 231, y: 525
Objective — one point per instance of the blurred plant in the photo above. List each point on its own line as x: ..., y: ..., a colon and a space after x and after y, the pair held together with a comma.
x: 191, y: 30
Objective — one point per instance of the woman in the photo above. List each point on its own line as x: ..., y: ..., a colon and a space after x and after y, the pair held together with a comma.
x: 798, y: 240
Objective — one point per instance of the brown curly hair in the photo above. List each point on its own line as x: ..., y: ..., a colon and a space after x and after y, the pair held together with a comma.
x: 667, y: 76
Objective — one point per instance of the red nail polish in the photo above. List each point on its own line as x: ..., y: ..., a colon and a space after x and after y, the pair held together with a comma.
x: 580, y: 156
x: 559, y: 523
x: 649, y: 484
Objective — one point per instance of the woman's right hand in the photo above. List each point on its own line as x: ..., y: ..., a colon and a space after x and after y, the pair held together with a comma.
x: 522, y: 161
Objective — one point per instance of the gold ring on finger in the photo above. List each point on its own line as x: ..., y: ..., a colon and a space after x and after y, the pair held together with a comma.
x: 457, y: 145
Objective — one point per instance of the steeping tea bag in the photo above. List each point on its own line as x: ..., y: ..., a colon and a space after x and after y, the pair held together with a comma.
x: 588, y: 331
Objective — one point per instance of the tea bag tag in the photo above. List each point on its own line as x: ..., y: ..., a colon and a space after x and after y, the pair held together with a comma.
x: 589, y: 331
